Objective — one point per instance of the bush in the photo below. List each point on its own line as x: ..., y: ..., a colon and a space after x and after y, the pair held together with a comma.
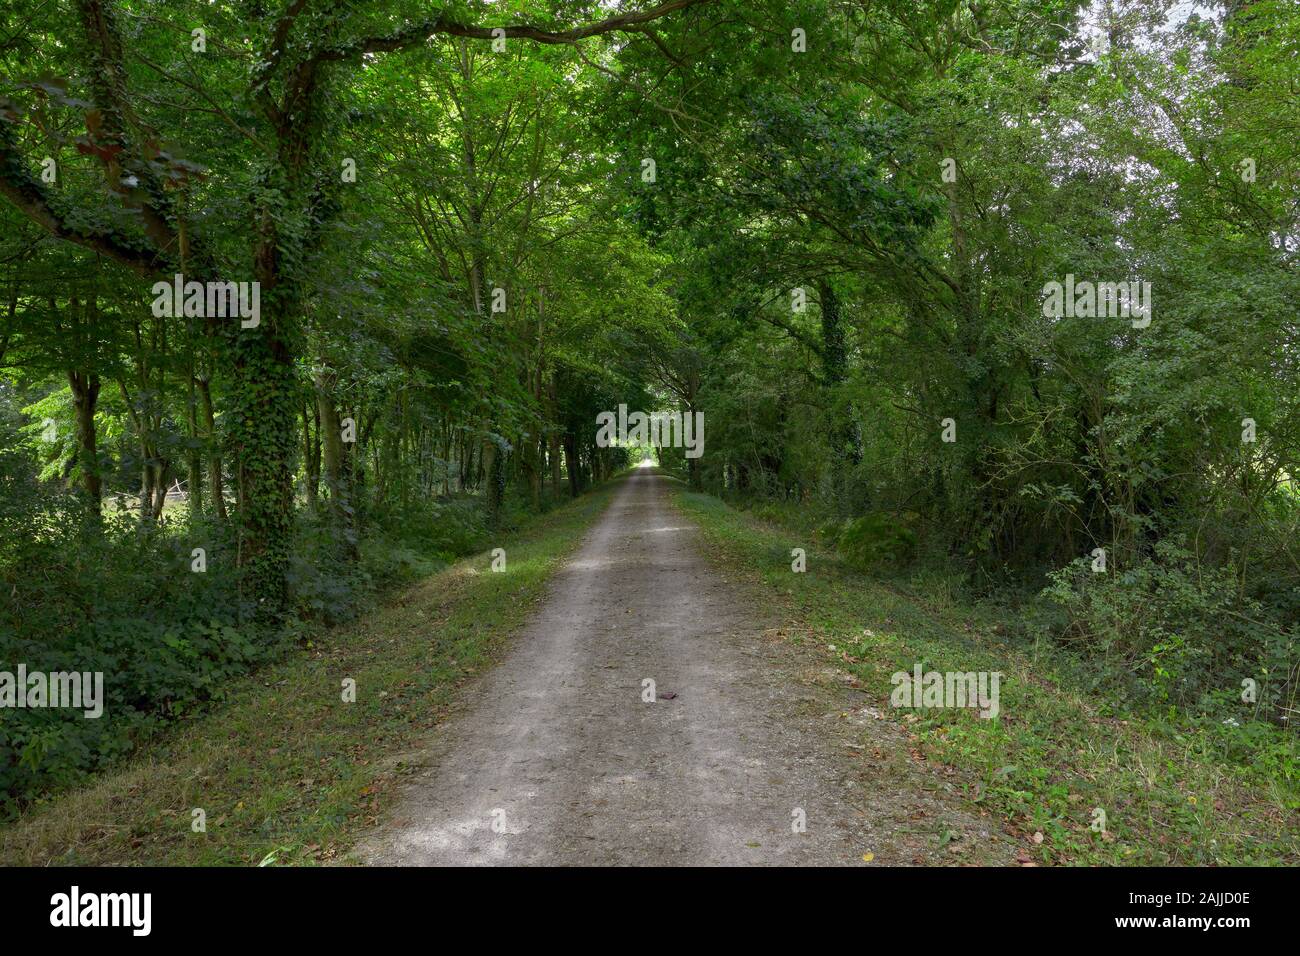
x: 877, y: 538
x: 123, y: 601
x: 1184, y: 629
x: 445, y: 529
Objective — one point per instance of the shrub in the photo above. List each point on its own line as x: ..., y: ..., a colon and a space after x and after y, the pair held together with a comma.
x: 877, y: 538
x: 120, y: 599
x: 1183, y: 628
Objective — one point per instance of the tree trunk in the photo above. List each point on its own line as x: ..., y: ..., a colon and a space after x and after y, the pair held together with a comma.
x: 214, y: 451
x: 337, y: 479
x: 495, y: 454
x: 311, y: 452
x: 834, y: 372
x: 553, y: 453
x: 571, y: 462
x: 194, y: 454
x: 85, y: 396
x: 264, y: 398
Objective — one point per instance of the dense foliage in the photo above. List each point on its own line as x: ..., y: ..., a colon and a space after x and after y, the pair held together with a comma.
x: 828, y: 226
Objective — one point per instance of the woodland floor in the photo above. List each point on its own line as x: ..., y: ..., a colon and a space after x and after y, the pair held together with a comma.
x: 553, y: 756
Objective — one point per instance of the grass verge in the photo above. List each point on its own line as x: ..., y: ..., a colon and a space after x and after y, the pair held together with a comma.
x: 284, y: 771
x: 1171, y: 791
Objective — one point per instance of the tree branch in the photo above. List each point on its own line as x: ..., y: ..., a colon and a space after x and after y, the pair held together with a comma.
x: 32, y: 200
x: 417, y: 33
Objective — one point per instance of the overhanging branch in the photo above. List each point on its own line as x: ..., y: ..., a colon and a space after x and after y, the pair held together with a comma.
x: 31, y: 199
x: 417, y: 33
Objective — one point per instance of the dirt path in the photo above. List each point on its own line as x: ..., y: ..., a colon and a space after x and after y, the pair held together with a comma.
x: 556, y: 759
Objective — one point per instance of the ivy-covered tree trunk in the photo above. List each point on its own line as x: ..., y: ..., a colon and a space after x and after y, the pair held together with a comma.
x: 264, y: 396
x: 264, y: 392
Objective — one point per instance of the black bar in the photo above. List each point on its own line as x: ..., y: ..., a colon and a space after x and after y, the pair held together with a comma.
x: 333, y: 905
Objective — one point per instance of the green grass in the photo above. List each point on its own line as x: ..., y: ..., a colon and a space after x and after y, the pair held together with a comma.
x: 285, y: 771
x: 1175, y: 791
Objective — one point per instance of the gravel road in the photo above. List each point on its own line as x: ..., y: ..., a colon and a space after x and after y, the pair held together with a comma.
x: 555, y: 757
